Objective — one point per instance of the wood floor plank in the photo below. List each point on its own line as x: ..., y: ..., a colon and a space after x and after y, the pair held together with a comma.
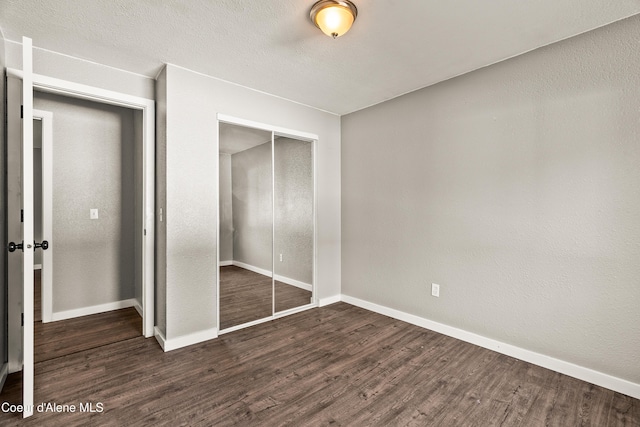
x: 57, y: 339
x: 246, y: 296
x: 37, y: 296
x: 336, y: 365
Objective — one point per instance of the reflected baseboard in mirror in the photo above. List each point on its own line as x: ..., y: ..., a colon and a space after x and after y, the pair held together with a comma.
x: 266, y: 221
x: 245, y: 296
x: 293, y: 231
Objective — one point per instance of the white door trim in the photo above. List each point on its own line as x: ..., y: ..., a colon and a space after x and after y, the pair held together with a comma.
x: 46, y: 278
x: 147, y: 106
x: 295, y: 134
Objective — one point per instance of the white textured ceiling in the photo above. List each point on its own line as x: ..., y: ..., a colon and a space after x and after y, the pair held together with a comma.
x: 395, y: 46
x: 234, y: 138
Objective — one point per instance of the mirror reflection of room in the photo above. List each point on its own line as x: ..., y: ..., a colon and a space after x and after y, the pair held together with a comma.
x: 293, y: 221
x: 266, y: 224
x: 246, y: 225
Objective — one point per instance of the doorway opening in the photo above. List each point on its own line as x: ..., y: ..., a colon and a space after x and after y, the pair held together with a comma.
x: 88, y: 204
x: 142, y: 209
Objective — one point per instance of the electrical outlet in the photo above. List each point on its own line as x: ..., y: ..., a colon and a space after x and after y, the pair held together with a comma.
x: 280, y: 257
x: 93, y: 213
x: 435, y: 290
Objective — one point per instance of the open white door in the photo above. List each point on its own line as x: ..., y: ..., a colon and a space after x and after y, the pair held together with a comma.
x: 27, y: 227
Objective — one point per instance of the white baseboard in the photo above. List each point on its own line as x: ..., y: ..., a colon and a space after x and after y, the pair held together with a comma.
x: 225, y: 263
x: 138, y: 307
x: 15, y: 366
x: 329, y: 300
x: 159, y: 337
x: 185, y: 340
x: 94, y: 309
x: 580, y: 372
x: 251, y: 268
x: 294, y: 282
x: 3, y: 374
x: 279, y: 278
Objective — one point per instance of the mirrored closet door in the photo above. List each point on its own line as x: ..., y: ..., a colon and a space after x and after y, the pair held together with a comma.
x: 246, y: 225
x: 293, y: 222
x: 266, y: 225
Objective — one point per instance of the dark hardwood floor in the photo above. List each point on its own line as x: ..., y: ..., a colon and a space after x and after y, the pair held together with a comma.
x: 37, y: 296
x: 57, y: 339
x: 246, y: 296
x: 336, y: 365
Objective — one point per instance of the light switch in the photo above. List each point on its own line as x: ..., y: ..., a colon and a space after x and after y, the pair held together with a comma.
x: 93, y: 213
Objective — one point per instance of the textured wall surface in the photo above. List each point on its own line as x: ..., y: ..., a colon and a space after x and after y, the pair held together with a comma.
x: 252, y: 193
x: 250, y: 221
x: 253, y: 223
x: 191, y: 206
x: 293, y: 220
x: 516, y: 189
x: 226, y: 209
x: 93, y: 160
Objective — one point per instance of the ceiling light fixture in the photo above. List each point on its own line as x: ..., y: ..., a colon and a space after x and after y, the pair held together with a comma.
x: 334, y: 17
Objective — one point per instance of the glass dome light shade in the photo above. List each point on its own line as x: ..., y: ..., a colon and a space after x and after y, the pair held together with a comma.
x: 334, y: 18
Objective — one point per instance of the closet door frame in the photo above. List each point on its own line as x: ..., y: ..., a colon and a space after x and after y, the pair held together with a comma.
x: 275, y: 131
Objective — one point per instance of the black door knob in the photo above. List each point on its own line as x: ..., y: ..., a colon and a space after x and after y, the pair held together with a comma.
x: 44, y: 245
x: 12, y: 246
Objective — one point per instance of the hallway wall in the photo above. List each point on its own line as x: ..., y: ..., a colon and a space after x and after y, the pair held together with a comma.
x: 93, y: 167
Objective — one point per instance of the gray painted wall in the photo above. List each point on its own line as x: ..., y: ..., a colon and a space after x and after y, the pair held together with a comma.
x: 293, y: 165
x: 93, y: 163
x: 252, y: 193
x: 515, y: 188
x: 226, y: 209
x: 246, y: 218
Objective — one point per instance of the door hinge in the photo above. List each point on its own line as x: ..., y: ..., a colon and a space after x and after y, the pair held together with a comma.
x: 21, y: 215
x: 22, y: 318
x: 145, y: 231
x: 22, y: 111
